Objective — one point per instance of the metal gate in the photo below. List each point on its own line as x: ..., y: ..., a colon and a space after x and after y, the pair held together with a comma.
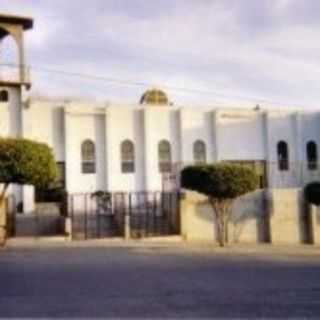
x: 10, y: 211
x: 102, y: 214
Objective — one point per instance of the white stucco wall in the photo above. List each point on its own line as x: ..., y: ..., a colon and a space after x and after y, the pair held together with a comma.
x: 44, y: 122
x: 310, y: 131
x: 240, y: 135
x: 160, y: 123
x: 82, y: 124
x: 283, y: 126
x: 4, y: 119
x: 229, y: 134
x: 124, y: 124
x: 196, y: 125
x: 10, y: 113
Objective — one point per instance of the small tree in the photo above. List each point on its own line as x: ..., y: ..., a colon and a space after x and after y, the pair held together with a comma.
x: 104, y: 201
x: 222, y: 183
x: 24, y: 161
x: 312, y: 193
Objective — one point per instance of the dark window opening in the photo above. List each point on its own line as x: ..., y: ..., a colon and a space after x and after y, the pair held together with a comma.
x: 312, y: 155
x: 283, y: 156
x: 164, y: 154
x: 127, y: 157
x: 88, y: 157
x: 199, y: 152
x: 4, y: 96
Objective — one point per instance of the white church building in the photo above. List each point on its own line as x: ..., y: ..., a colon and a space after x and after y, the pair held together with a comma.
x: 143, y: 146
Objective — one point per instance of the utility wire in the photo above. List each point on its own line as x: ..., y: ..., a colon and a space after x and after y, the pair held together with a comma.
x: 145, y: 84
x: 123, y: 82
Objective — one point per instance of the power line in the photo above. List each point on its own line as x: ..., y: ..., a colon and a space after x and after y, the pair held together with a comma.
x: 145, y: 84
x: 123, y: 82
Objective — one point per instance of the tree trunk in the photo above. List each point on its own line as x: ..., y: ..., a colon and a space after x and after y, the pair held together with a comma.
x: 221, y: 210
x: 222, y: 232
x: 3, y: 193
x: 3, y: 218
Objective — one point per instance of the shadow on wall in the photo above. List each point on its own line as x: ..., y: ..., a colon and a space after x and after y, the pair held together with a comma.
x: 317, y: 220
x: 305, y: 221
x: 249, y: 221
x: 208, y: 224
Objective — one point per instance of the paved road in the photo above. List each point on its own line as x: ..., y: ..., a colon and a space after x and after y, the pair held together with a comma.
x: 155, y: 281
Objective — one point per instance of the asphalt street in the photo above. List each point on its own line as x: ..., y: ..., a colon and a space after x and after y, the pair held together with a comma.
x: 157, y: 282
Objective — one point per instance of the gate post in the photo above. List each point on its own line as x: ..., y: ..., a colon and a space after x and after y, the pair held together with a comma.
x: 127, y: 231
x: 127, y: 226
x: 3, y: 223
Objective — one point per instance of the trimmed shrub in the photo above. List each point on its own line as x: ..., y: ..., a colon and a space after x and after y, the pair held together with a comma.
x: 24, y: 161
x: 222, y: 183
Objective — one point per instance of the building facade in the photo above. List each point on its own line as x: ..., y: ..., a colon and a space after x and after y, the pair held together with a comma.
x: 142, y: 147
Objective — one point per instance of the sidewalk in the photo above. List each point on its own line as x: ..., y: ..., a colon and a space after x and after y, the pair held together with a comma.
x: 61, y: 241
x: 174, y: 242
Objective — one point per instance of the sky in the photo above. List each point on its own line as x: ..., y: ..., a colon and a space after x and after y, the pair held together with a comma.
x: 201, y: 52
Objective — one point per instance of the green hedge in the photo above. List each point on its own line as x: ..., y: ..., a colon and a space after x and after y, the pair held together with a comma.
x: 221, y: 181
x: 24, y: 161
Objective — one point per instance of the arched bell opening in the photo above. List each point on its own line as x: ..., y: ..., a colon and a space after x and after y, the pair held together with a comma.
x: 10, y: 59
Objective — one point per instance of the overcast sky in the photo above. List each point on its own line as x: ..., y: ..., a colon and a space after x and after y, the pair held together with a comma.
x: 232, y: 49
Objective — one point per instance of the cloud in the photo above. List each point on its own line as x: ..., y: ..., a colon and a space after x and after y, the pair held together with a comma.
x: 235, y: 49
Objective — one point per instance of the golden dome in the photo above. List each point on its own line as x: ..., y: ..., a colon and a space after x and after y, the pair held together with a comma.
x: 154, y: 97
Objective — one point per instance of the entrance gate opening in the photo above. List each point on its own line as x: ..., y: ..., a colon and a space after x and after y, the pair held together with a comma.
x: 102, y: 214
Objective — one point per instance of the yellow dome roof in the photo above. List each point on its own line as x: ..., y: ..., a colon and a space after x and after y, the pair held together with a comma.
x: 154, y: 97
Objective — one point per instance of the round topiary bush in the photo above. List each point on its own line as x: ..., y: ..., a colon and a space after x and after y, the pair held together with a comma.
x: 222, y: 183
x: 25, y: 161
x: 312, y: 193
x: 219, y: 181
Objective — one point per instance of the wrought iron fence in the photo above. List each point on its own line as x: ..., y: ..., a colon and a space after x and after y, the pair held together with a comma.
x: 103, y: 215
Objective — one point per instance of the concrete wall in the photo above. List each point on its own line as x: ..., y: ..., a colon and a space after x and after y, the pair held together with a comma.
x: 279, y: 216
x: 286, y: 215
x: 247, y: 223
x: 3, y: 224
x: 314, y: 223
x: 197, y: 220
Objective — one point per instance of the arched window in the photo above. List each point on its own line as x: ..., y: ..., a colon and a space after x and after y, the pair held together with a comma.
x: 283, y: 156
x: 88, y: 157
x: 164, y: 154
x: 312, y: 155
x: 4, y: 96
x: 127, y: 157
x: 199, y: 152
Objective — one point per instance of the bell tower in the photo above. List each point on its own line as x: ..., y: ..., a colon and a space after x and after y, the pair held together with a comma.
x: 14, y: 83
x: 14, y: 73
